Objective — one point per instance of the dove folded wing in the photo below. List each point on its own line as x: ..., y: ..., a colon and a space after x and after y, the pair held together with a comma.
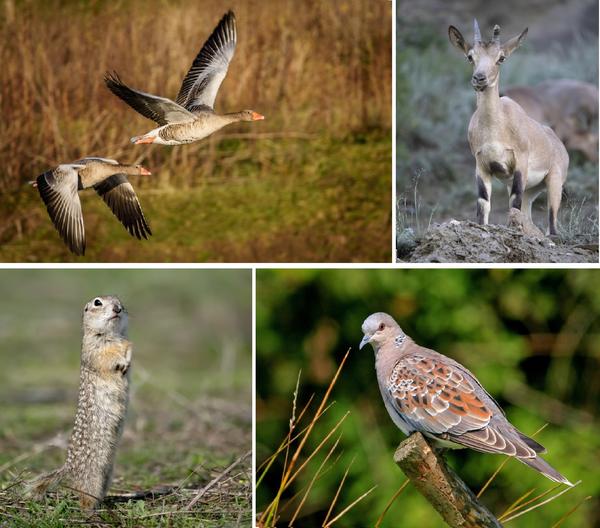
x: 444, y: 400
x: 436, y: 398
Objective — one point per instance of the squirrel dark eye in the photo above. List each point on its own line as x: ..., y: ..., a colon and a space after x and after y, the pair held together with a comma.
x: 381, y: 326
x: 97, y: 302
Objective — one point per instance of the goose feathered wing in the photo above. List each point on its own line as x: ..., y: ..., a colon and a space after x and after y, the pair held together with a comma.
x: 118, y: 194
x: 203, y: 80
x: 90, y: 159
x: 159, y: 109
x: 59, y: 191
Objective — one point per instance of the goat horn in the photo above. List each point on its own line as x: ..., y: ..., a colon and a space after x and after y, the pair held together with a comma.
x: 496, y: 37
x: 476, y: 32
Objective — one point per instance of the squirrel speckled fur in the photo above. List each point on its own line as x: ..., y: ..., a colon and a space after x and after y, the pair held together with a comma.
x: 101, y: 406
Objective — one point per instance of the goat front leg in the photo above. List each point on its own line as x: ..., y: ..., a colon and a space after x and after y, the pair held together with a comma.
x: 516, y: 191
x: 484, y: 196
x: 519, y: 182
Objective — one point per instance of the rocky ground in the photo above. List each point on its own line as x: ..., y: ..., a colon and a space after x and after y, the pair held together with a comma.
x: 468, y: 241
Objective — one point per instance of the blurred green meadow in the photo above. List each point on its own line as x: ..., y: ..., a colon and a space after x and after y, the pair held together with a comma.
x: 530, y: 336
x: 190, y: 413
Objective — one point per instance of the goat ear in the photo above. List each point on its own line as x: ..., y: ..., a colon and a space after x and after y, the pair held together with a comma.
x: 457, y: 40
x: 511, y: 45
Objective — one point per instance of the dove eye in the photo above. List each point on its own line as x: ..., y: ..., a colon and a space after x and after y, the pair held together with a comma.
x: 381, y: 326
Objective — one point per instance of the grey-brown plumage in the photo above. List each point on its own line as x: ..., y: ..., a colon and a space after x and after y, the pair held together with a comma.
x: 191, y: 117
x: 59, y: 189
x: 101, y: 406
x: 430, y: 393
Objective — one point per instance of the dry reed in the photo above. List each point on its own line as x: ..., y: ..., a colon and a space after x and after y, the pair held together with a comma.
x: 324, y: 68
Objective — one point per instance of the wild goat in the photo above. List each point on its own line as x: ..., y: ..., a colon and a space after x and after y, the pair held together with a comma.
x: 505, y: 141
x: 567, y: 106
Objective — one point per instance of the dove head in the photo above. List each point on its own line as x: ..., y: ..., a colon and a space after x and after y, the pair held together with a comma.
x: 378, y: 329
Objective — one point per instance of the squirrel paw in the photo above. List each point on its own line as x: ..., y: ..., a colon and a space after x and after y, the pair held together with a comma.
x: 122, y: 367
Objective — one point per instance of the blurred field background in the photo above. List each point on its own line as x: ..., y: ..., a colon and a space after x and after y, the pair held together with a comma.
x: 190, y: 413
x: 530, y: 336
x: 435, y: 101
x: 310, y: 183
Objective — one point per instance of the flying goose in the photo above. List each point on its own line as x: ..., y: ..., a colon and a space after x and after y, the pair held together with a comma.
x: 191, y: 116
x: 59, y: 190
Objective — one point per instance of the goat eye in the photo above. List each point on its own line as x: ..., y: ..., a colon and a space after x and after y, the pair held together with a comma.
x: 501, y: 59
x: 97, y: 302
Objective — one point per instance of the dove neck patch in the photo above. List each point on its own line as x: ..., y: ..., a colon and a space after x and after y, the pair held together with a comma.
x: 398, y: 340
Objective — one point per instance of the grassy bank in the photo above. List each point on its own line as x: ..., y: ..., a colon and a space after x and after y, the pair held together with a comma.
x: 247, y: 209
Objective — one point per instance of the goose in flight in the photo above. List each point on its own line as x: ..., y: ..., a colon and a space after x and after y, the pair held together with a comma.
x: 191, y: 116
x: 59, y: 190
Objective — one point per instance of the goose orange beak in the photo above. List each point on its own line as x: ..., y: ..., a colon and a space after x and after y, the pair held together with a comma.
x: 140, y: 140
x: 257, y: 117
x: 144, y: 171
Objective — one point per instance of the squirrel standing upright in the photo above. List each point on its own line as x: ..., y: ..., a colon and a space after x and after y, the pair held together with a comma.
x: 101, y: 405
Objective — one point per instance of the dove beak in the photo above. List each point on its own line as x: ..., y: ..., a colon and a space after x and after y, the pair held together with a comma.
x: 365, y: 340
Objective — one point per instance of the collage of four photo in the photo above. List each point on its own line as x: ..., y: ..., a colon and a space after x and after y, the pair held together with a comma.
x: 252, y: 273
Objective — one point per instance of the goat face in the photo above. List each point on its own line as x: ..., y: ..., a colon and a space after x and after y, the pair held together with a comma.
x: 485, y: 57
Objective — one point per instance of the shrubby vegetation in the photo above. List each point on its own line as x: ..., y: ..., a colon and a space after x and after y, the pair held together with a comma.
x: 435, y: 168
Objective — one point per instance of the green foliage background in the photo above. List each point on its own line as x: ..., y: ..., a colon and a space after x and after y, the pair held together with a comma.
x: 530, y: 336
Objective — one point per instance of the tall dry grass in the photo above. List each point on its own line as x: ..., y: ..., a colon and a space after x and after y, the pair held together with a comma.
x: 309, y: 67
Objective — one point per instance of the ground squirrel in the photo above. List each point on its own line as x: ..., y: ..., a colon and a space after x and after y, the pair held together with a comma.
x: 101, y: 406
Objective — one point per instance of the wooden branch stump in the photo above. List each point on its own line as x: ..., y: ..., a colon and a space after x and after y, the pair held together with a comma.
x: 443, y: 488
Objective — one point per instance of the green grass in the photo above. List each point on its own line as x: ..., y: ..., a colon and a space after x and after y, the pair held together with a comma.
x: 313, y: 200
x: 190, y: 412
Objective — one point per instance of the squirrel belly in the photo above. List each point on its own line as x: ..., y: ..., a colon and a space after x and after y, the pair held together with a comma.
x: 116, y: 357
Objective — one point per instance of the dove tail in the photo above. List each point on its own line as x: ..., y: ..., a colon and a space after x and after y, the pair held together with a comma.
x: 537, y: 447
x: 539, y: 464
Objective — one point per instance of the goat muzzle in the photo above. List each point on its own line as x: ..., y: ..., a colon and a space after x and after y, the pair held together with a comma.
x: 479, y: 82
